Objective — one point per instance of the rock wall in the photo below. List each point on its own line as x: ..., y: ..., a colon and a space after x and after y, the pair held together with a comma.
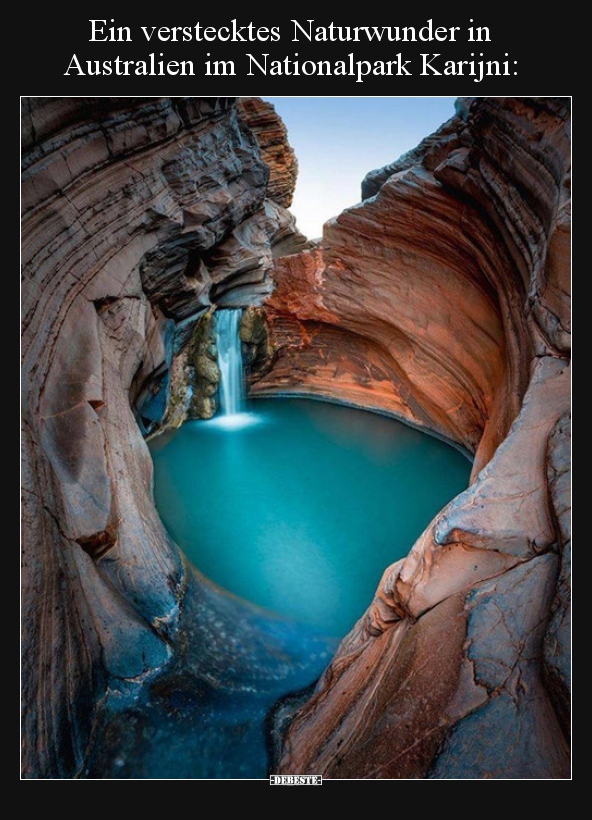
x: 137, y: 215
x: 276, y: 151
x: 443, y: 298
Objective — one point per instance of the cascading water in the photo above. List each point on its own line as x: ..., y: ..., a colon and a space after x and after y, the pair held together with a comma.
x: 296, y: 506
x: 230, y: 361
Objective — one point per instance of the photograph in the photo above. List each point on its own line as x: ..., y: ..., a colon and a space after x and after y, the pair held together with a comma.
x: 295, y: 426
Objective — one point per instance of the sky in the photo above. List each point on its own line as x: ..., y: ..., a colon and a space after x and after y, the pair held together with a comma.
x: 339, y: 139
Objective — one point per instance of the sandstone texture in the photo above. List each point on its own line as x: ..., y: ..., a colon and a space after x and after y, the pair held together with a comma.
x: 138, y: 214
x: 276, y: 151
x: 443, y: 298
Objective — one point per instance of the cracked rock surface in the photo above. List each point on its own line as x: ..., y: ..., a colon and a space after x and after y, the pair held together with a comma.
x: 443, y: 298
x: 137, y: 214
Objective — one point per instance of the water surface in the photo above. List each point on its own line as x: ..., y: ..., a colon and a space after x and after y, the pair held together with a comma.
x: 301, y: 508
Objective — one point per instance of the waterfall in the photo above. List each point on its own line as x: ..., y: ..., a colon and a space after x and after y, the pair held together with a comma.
x: 230, y: 361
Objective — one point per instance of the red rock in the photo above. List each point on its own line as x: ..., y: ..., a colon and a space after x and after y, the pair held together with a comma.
x: 444, y: 300
x: 276, y: 151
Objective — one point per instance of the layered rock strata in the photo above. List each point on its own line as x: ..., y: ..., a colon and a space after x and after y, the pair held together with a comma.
x: 276, y: 151
x: 138, y: 214
x: 443, y: 298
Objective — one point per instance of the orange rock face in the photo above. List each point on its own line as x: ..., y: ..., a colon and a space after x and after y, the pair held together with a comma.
x: 276, y: 151
x: 443, y: 299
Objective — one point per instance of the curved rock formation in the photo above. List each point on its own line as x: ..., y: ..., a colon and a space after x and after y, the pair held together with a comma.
x: 443, y: 298
x: 137, y: 214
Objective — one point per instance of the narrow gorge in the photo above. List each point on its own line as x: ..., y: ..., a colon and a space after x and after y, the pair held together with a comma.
x: 440, y: 300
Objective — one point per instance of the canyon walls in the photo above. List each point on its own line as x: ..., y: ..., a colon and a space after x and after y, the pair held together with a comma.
x: 442, y: 298
x: 137, y: 215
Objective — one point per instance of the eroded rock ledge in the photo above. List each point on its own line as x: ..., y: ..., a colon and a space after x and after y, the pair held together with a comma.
x: 138, y: 214
x: 442, y: 299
